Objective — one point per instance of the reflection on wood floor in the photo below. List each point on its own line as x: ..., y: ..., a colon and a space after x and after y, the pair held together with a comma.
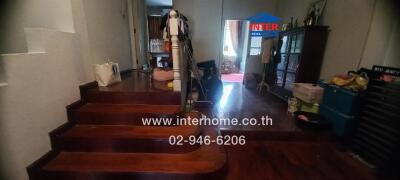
x: 280, y: 151
x: 240, y: 102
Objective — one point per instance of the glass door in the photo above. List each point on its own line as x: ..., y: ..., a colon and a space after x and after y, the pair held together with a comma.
x: 296, y: 45
x: 291, y: 71
x: 282, y: 65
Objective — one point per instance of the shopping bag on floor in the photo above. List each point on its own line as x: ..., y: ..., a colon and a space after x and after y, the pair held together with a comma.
x: 107, y: 73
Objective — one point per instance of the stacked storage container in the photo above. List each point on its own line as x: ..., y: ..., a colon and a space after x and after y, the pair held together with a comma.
x: 310, y: 96
x: 340, y: 106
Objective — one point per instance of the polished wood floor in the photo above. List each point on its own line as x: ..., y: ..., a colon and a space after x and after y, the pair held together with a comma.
x: 281, y: 151
x: 293, y: 160
x: 240, y: 102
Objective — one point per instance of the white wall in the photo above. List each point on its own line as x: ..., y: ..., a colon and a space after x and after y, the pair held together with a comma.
x: 392, y: 56
x: 346, y: 39
x: 38, y: 13
x: 361, y: 33
x: 205, y: 24
x: 40, y: 85
x: 108, y: 31
x: 349, y: 22
x: 208, y: 16
x: 238, y: 9
x: 81, y: 30
x: 296, y: 9
x: 140, y: 18
x: 45, y: 75
x: 381, y: 35
x: 100, y: 24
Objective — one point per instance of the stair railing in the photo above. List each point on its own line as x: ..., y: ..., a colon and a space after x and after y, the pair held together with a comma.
x: 175, y: 46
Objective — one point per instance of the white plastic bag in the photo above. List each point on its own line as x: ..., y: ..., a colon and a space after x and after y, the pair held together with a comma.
x: 107, y: 73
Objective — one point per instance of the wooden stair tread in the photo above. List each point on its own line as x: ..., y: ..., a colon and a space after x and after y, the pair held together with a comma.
x: 128, y: 131
x: 122, y: 138
x: 207, y: 159
x: 137, y: 82
x: 142, y: 108
x: 156, y: 98
x: 105, y: 137
x: 131, y: 162
x: 122, y: 114
x: 139, y: 88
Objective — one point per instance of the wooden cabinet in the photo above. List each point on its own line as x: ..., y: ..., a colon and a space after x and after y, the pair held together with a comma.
x: 298, y: 59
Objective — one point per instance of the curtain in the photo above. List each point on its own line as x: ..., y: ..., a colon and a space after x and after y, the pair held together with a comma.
x: 236, y: 37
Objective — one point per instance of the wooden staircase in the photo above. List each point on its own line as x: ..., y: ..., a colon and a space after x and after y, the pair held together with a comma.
x: 105, y: 139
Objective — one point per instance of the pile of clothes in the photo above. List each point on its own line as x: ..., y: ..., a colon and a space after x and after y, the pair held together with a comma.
x: 353, y: 81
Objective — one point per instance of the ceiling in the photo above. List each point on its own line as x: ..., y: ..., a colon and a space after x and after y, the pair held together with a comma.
x: 159, y: 3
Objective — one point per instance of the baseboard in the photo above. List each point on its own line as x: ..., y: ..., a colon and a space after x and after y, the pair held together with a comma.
x: 58, y: 131
x: 85, y: 87
x: 34, y: 168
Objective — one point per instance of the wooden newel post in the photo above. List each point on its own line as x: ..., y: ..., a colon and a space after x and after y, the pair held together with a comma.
x: 174, y: 32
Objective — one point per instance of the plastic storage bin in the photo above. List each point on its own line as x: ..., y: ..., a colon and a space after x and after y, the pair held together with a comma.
x: 342, y: 124
x: 341, y: 100
x: 307, y: 92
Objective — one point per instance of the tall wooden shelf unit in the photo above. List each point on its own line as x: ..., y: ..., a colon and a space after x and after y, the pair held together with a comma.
x: 299, y: 59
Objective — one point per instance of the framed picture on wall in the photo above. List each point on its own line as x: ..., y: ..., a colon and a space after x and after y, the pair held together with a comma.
x: 319, y: 7
x: 314, y: 12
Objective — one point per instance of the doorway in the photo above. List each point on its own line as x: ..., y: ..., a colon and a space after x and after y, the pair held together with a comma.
x: 235, y: 41
x: 157, y: 12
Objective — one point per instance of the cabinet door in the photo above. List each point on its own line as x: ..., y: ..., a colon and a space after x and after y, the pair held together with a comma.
x: 285, y: 44
x: 282, y: 65
x: 293, y: 63
x: 299, y: 42
x: 292, y: 43
x: 290, y: 79
x: 280, y: 78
